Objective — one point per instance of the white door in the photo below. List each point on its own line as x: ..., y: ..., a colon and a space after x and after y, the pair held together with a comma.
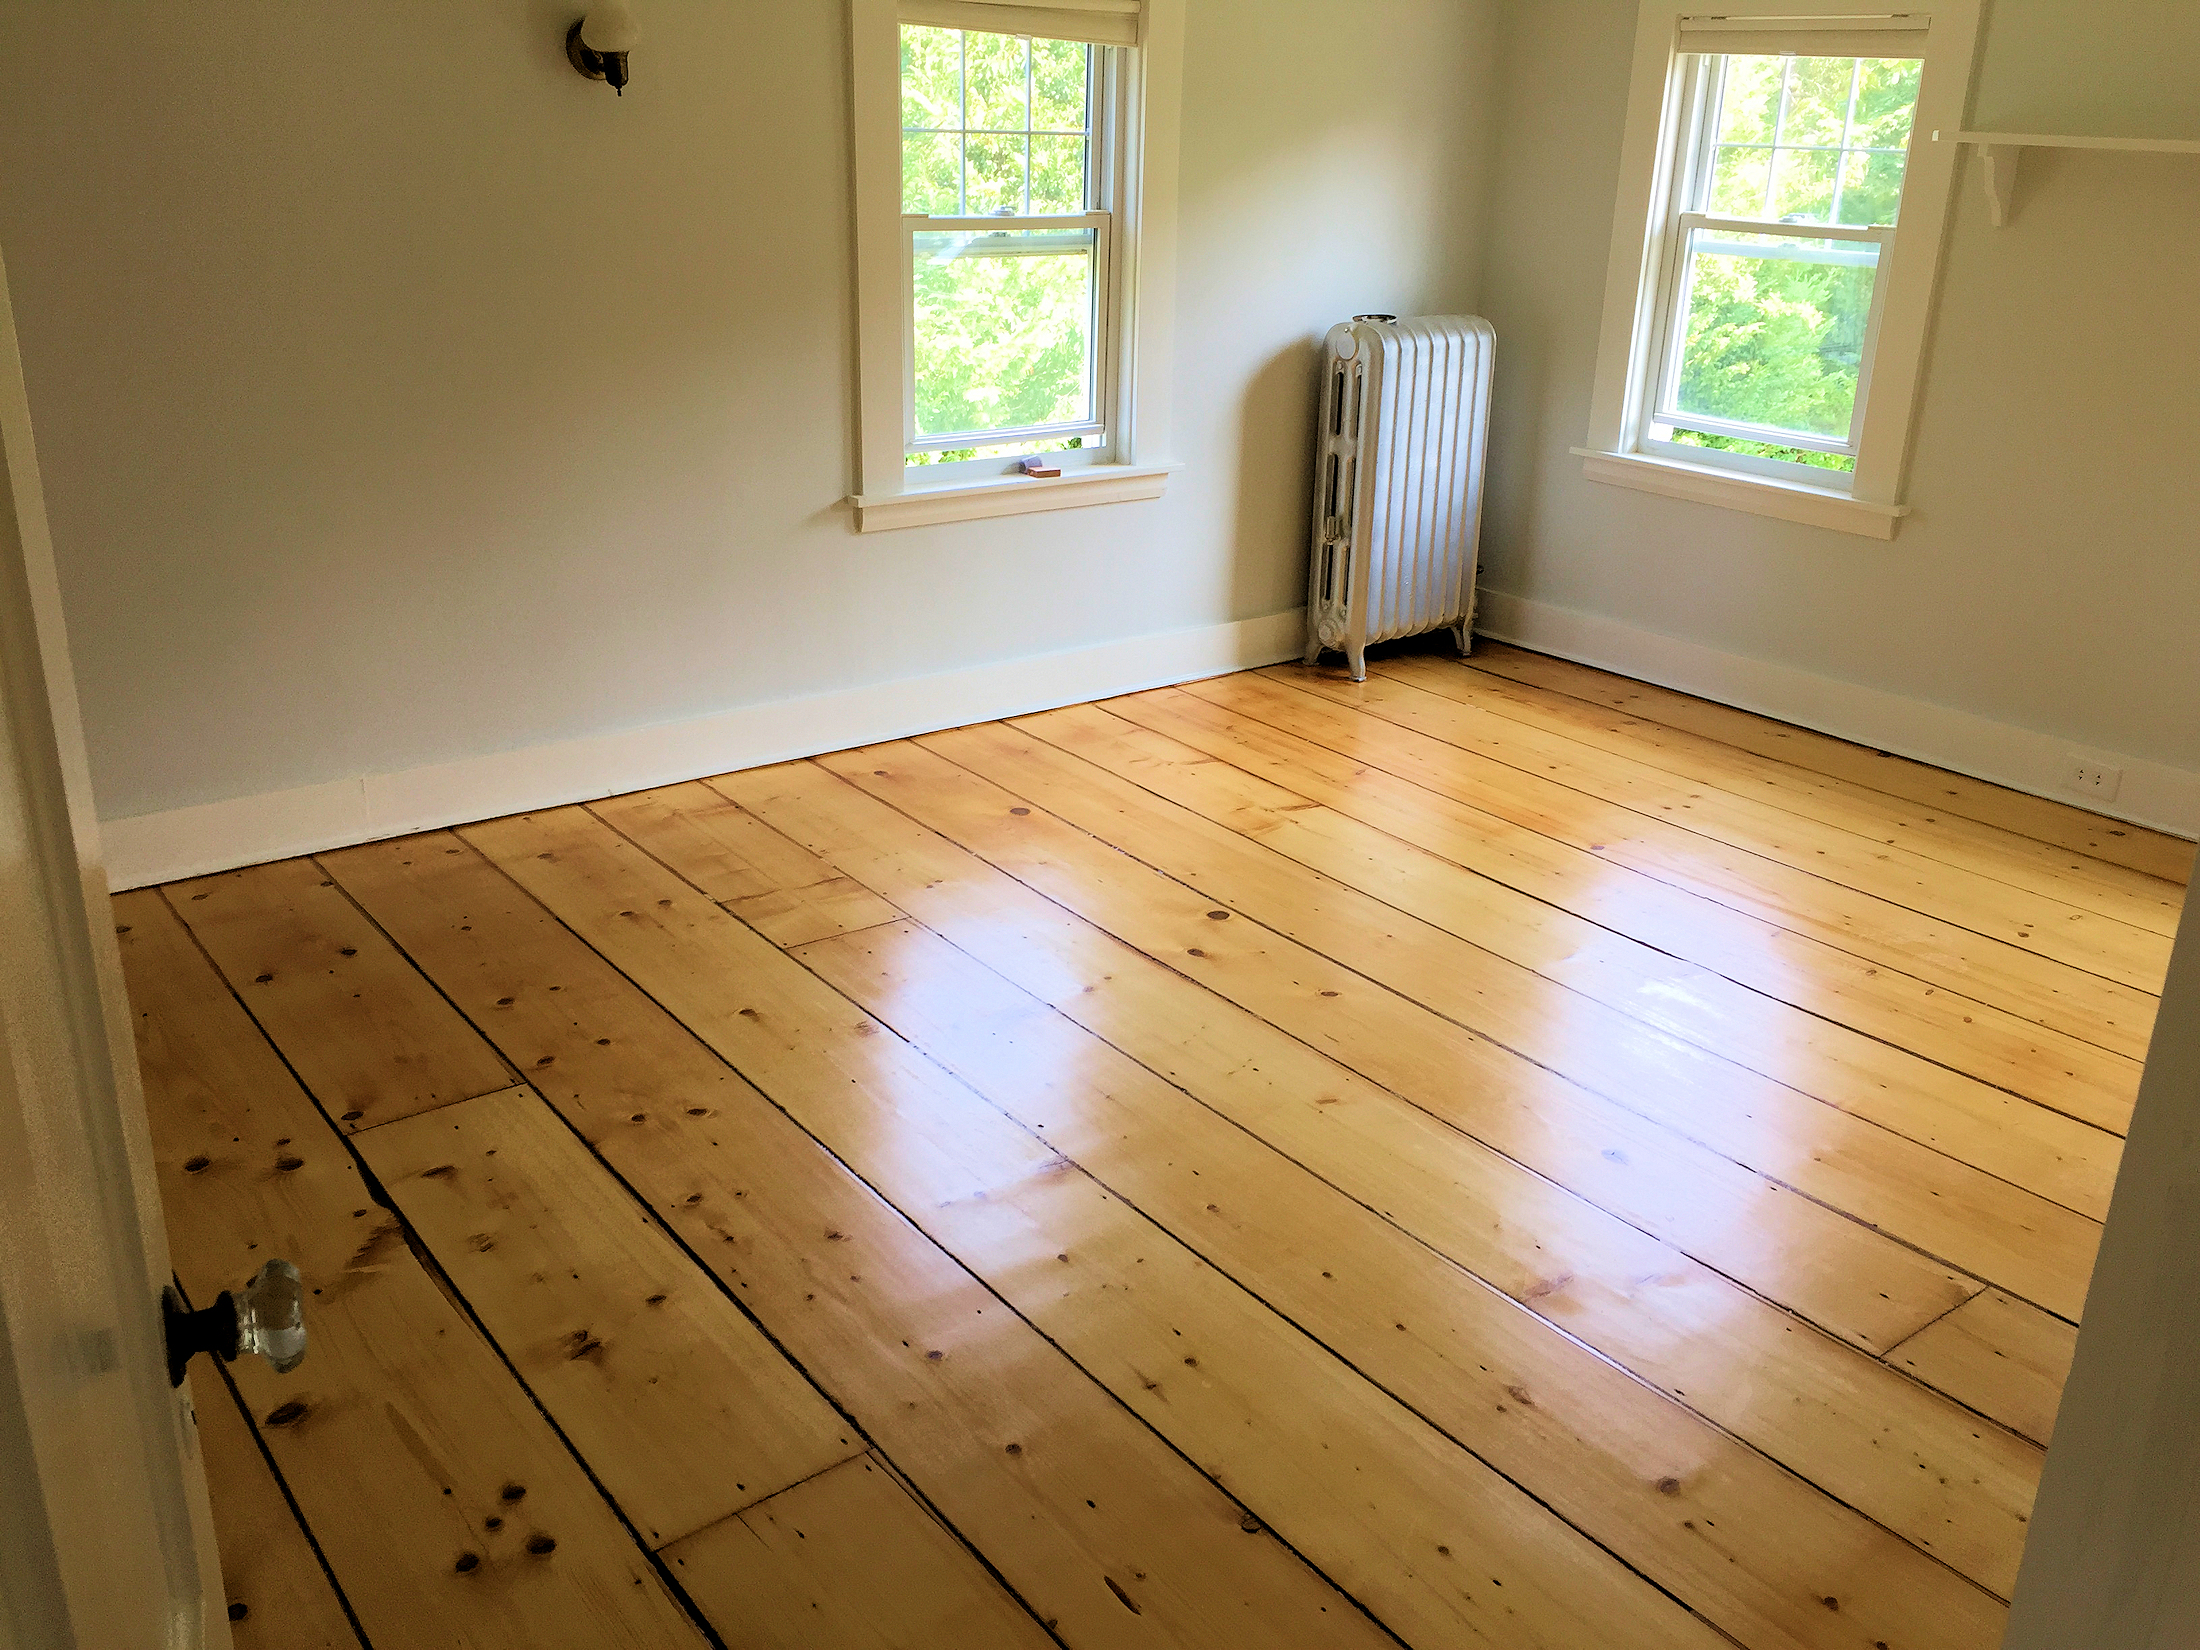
x: 2113, y: 1557
x: 105, y: 1542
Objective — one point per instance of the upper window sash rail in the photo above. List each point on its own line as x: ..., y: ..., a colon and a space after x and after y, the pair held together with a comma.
x: 1069, y: 223
x: 1789, y: 229
x: 1086, y: 132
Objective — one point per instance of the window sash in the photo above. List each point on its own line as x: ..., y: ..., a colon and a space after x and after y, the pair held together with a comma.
x: 1101, y: 350
x: 1097, y: 130
x: 1702, y: 145
x: 1664, y: 405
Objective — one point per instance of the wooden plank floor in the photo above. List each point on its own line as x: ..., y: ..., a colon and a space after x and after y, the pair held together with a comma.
x: 1497, y: 1156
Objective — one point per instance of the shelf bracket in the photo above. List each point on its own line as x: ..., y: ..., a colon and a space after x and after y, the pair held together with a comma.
x: 1997, y: 164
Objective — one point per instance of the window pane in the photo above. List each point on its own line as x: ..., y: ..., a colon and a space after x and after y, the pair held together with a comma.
x: 931, y: 173
x: 1057, y: 175
x: 996, y: 175
x: 1818, y: 102
x: 968, y: 94
x: 1738, y: 181
x: 1871, y: 189
x: 1886, y: 103
x: 1004, y: 329
x: 1750, y: 112
x: 995, y: 66
x: 1058, y: 82
x: 1774, y: 331
x: 931, y: 79
x: 1006, y: 449
x: 1802, y: 185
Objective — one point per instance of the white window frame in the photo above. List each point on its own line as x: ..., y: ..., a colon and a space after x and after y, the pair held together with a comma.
x: 1137, y: 101
x: 1648, y: 236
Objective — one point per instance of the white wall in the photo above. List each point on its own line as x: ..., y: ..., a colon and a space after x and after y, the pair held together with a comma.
x: 2126, y: 69
x: 2046, y: 581
x: 403, y: 398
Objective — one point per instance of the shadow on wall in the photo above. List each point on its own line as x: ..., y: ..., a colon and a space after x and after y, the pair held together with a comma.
x: 1275, y: 472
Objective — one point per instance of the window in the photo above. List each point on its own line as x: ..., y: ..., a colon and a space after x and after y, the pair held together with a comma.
x: 1023, y: 156
x: 1008, y: 240
x: 1775, y: 293
x: 1767, y: 331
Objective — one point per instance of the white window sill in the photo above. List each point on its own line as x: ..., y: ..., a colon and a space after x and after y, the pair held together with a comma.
x: 1759, y: 495
x: 1011, y: 496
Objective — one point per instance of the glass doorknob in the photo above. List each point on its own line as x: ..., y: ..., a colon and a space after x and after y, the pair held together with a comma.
x: 267, y: 1316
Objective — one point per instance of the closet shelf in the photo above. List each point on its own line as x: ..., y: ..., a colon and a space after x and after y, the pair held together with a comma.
x: 1999, y: 154
x: 2041, y: 140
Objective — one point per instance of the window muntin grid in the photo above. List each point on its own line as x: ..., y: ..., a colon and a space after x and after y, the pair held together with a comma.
x: 995, y: 124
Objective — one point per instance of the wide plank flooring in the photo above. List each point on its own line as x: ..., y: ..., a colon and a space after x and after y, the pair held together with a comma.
x: 1498, y: 1155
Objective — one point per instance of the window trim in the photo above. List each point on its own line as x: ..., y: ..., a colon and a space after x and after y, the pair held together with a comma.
x: 1653, y: 168
x: 1138, y: 364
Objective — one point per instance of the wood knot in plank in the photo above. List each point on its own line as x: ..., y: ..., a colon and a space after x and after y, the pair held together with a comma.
x: 582, y: 1344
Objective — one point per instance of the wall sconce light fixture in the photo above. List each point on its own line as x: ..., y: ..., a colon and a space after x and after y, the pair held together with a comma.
x: 599, y: 42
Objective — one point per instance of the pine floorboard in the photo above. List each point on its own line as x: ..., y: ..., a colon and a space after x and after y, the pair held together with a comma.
x: 1763, y: 862
x: 279, y: 1596
x: 2088, y: 840
x: 1498, y: 1155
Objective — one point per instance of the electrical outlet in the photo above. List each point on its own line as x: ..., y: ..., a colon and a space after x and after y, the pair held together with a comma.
x: 2093, y: 779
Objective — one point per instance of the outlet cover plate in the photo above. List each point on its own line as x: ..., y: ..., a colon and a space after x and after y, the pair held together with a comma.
x: 2092, y: 780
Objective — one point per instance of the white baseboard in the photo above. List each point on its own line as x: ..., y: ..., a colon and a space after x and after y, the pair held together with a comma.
x: 250, y: 830
x: 2153, y: 793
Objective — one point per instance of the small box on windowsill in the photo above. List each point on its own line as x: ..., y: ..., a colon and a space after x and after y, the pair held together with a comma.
x: 1044, y: 469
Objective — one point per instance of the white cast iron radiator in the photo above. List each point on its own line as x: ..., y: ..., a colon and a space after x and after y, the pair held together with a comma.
x: 1398, y: 481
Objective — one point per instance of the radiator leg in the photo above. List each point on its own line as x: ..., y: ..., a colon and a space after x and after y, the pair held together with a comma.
x: 1463, y: 634
x: 1356, y: 657
x: 1313, y: 652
